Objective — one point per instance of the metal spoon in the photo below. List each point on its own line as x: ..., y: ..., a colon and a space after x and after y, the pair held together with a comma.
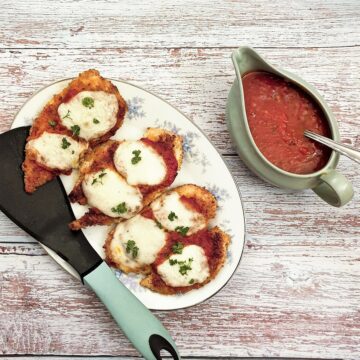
x: 346, y: 150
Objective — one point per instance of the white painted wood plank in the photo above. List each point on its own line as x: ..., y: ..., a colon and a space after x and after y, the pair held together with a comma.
x: 297, y: 290
x: 283, y: 301
x: 132, y: 358
x: 128, y: 358
x: 186, y: 23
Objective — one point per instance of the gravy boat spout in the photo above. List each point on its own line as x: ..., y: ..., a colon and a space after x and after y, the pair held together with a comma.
x: 327, y: 183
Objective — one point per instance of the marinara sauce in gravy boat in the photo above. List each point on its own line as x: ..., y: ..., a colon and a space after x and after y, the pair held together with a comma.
x: 268, y: 110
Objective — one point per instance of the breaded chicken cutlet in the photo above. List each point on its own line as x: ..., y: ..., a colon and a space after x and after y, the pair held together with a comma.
x: 170, y: 242
x: 201, y: 259
x: 118, y: 178
x: 86, y: 113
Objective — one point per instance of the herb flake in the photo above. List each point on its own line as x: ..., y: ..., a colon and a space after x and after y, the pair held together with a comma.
x: 132, y: 248
x: 67, y: 116
x: 136, y: 157
x: 52, y: 123
x: 64, y: 143
x: 98, y: 179
x: 177, y: 248
x: 96, y: 121
x: 88, y: 102
x: 75, y: 130
x: 172, y: 216
x: 185, y: 267
x: 182, y: 230
x: 120, y: 209
x: 158, y: 224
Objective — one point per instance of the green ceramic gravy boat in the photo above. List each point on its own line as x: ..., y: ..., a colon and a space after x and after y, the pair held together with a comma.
x: 327, y: 183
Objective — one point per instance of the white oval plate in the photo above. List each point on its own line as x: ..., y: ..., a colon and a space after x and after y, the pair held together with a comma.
x: 202, y: 165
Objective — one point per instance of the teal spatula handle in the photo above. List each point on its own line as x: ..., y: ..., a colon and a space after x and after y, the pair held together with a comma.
x: 141, y: 327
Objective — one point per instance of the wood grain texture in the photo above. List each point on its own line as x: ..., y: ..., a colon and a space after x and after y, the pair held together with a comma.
x: 34, y: 357
x: 297, y: 290
x: 45, y: 311
x: 148, y: 24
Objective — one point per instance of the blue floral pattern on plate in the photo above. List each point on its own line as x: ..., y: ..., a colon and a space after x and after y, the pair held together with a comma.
x: 221, y: 194
x: 130, y: 281
x: 191, y: 151
x: 135, y: 108
x: 225, y: 226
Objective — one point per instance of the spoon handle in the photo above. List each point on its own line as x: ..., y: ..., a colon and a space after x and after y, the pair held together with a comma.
x: 346, y: 150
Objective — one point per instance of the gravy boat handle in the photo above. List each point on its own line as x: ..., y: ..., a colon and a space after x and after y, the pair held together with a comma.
x: 334, y: 188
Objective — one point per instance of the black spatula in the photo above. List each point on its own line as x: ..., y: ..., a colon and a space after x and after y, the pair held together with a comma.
x: 45, y: 215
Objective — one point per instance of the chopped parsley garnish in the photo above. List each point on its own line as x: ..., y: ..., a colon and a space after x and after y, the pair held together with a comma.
x: 75, y: 130
x: 191, y: 281
x: 158, y: 224
x: 96, y: 121
x: 172, y: 216
x: 98, y: 180
x: 132, y: 248
x: 73, y: 152
x: 184, y: 266
x: 67, y: 115
x: 88, y: 102
x: 136, y: 157
x: 182, y: 230
x: 120, y: 209
x: 64, y: 143
x: 177, y: 248
x: 52, y: 123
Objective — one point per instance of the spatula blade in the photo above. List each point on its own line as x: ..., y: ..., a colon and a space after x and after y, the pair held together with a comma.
x: 46, y: 213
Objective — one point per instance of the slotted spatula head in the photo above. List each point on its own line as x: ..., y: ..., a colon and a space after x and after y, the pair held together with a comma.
x: 46, y: 213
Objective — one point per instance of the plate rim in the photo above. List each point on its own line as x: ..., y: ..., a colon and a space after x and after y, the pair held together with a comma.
x: 209, y: 141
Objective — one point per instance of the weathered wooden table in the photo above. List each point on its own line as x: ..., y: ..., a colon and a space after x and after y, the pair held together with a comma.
x: 297, y: 290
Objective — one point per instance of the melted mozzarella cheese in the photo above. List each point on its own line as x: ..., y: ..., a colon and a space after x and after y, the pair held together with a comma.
x: 95, y: 119
x: 148, y: 238
x: 57, y: 151
x: 111, y: 194
x: 184, y: 217
x: 193, y: 267
x: 150, y: 169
